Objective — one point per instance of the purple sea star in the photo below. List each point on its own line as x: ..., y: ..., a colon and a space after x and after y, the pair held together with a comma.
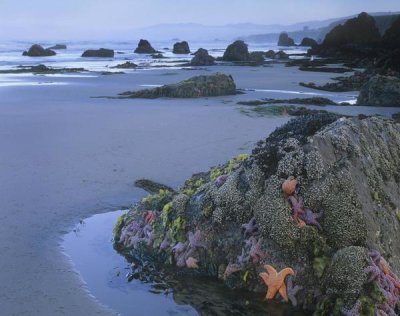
x: 292, y: 291
x: 354, y: 311
x: 256, y: 253
x: 297, y: 207
x: 195, y: 240
x: 219, y: 182
x: 165, y: 244
x: 243, y: 258
x: 310, y: 218
x: 250, y: 228
x: 179, y: 247
x: 373, y: 271
x: 232, y: 268
x: 385, y: 309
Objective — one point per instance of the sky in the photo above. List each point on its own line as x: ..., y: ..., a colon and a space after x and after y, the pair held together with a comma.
x: 87, y: 19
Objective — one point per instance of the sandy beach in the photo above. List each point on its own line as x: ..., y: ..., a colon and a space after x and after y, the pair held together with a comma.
x: 66, y: 155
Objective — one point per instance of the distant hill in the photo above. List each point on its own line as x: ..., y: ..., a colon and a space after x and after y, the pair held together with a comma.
x: 383, y: 21
x: 200, y: 32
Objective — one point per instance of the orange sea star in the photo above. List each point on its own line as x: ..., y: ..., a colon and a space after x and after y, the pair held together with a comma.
x: 276, y: 281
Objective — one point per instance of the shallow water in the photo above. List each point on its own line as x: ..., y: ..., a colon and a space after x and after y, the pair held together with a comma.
x: 89, y: 247
x: 11, y: 54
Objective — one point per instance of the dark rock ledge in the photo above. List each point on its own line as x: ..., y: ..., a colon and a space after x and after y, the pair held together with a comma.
x: 319, y: 197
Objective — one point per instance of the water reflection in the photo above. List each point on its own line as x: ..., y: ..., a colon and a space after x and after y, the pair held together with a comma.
x: 105, y: 272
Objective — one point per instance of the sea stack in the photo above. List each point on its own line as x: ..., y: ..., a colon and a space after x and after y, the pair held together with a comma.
x: 285, y: 40
x: 102, y: 52
x: 144, y: 47
x: 181, y: 48
x: 38, y: 51
x: 202, y: 58
x: 237, y: 51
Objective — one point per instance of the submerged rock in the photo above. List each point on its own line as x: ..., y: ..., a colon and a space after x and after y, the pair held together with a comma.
x: 285, y: 40
x: 144, y: 47
x: 202, y: 58
x: 126, y: 65
x: 40, y: 69
x: 152, y: 186
x: 380, y: 91
x: 199, y: 86
x: 237, y: 51
x: 38, y: 51
x: 181, y: 48
x: 102, y: 53
x: 58, y: 46
x: 347, y: 167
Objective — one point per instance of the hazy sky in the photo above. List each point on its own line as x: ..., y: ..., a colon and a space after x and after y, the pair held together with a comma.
x: 25, y: 19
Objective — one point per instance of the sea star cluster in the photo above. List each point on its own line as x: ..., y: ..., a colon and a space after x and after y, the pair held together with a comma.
x: 251, y: 251
x: 184, y: 252
x: 388, y: 283
x: 302, y: 216
x: 139, y: 231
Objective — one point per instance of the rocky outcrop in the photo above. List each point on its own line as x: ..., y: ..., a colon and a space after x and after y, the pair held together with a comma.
x: 237, y: 51
x: 101, y: 53
x: 126, y: 65
x: 38, y: 51
x: 391, y: 38
x: 158, y: 56
x: 181, y: 48
x: 356, y: 37
x: 320, y: 195
x: 309, y: 42
x: 276, y: 55
x: 202, y: 58
x: 144, y: 47
x: 257, y: 58
x: 199, y: 86
x: 285, y: 40
x: 58, y: 46
x: 380, y: 91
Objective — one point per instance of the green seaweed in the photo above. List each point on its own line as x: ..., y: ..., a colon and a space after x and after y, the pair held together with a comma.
x: 178, y: 229
x: 118, y: 226
x: 319, y: 265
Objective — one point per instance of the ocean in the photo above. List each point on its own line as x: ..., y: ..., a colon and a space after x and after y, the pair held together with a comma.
x: 11, y: 54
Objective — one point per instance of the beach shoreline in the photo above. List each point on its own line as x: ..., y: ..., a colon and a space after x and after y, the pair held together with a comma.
x: 81, y: 156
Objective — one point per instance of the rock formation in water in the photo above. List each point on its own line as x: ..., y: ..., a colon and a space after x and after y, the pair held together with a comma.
x: 356, y: 37
x: 144, y: 47
x: 285, y: 40
x: 380, y: 91
x: 199, y: 86
x: 202, y: 58
x: 276, y: 55
x: 319, y: 197
x: 257, y: 58
x: 308, y: 42
x: 58, y: 46
x: 126, y: 65
x: 391, y: 38
x: 102, y: 52
x: 237, y: 51
x: 38, y: 51
x: 181, y: 48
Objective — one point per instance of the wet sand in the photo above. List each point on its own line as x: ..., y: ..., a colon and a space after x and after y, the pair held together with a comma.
x: 65, y: 156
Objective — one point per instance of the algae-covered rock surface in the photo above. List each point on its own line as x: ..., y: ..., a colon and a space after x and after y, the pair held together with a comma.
x: 380, y: 91
x: 216, y: 84
x: 311, y: 216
